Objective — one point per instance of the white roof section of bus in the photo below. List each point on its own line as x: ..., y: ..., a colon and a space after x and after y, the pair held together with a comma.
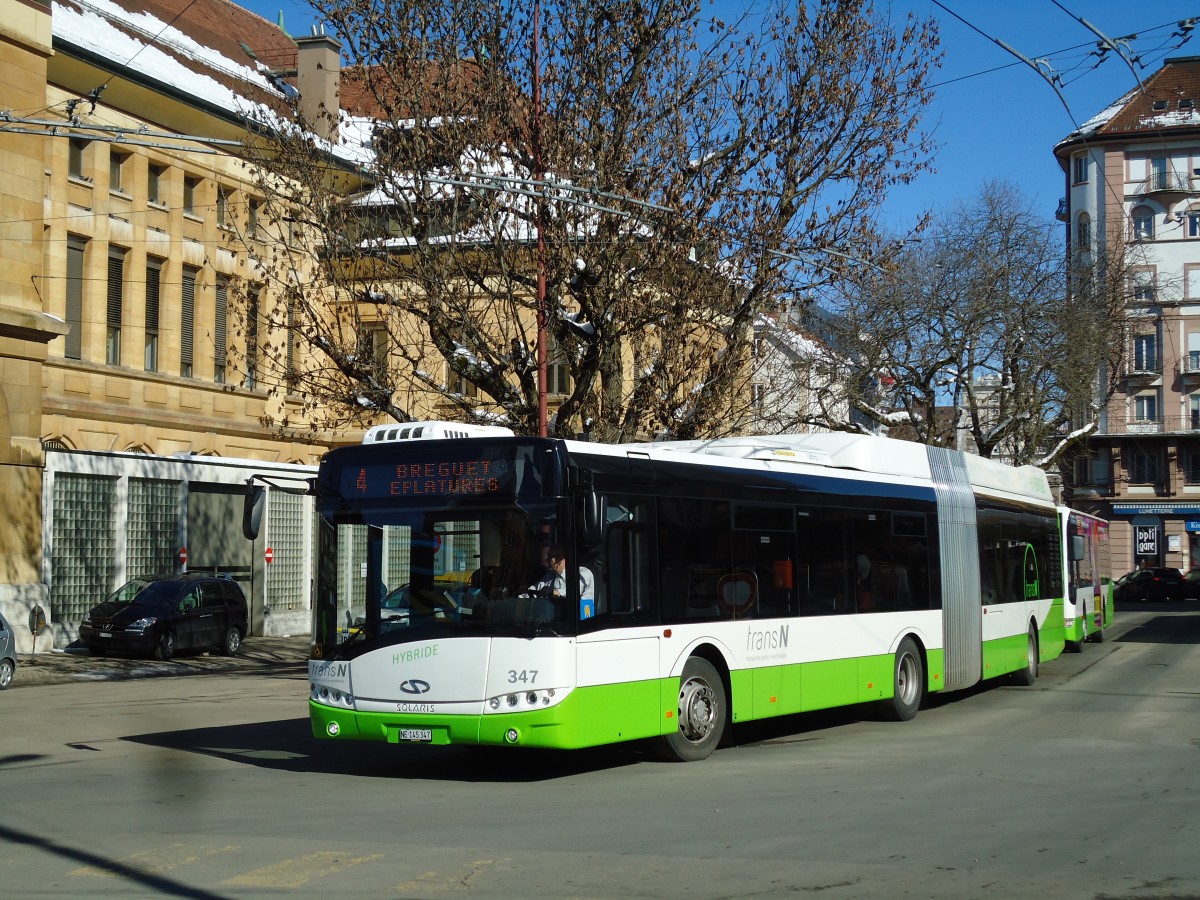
x: 865, y: 453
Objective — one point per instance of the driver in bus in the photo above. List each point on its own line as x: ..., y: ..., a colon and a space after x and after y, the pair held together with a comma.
x: 554, y: 582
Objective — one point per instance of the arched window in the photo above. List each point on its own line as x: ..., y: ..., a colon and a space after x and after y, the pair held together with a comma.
x: 1083, y: 232
x: 1142, y: 219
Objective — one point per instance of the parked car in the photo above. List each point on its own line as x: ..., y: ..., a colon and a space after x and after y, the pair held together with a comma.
x: 8, y: 653
x: 167, y: 613
x: 1154, y: 584
x: 1191, y: 584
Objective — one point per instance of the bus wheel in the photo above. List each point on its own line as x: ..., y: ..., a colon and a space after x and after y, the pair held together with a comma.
x: 1097, y: 636
x: 908, y: 684
x: 702, y: 711
x: 1028, y: 675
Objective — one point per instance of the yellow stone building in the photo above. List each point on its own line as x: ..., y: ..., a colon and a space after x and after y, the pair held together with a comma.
x: 128, y: 376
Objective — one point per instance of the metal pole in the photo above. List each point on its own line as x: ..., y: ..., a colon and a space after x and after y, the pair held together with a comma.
x: 539, y: 177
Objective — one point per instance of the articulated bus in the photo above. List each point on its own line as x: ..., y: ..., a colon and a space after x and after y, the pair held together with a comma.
x: 707, y: 583
x: 1089, y: 605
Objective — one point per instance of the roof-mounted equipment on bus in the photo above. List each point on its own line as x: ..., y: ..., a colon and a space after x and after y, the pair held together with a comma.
x: 432, y: 431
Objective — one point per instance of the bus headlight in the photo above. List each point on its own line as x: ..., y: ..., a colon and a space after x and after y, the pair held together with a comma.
x: 521, y: 702
x: 331, y: 696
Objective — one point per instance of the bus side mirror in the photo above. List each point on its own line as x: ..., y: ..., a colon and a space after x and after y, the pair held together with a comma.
x: 1077, y: 548
x: 592, y: 518
x: 252, y: 510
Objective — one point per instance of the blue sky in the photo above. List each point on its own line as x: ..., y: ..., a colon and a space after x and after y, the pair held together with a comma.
x: 994, y: 117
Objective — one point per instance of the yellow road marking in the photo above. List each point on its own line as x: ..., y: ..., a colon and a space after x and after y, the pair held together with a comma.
x: 293, y: 873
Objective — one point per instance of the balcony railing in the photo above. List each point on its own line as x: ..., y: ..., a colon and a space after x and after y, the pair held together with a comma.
x: 1164, y: 183
x: 1190, y: 364
x: 1188, y: 422
x: 1144, y: 367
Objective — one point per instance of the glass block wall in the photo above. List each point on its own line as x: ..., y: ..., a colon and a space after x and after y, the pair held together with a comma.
x: 153, y: 516
x: 82, y: 544
x: 285, y: 575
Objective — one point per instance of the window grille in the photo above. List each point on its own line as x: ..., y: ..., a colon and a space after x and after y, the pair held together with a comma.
x: 81, y: 559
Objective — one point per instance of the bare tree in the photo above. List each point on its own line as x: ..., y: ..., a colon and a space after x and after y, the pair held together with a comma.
x: 983, y: 334
x: 683, y: 175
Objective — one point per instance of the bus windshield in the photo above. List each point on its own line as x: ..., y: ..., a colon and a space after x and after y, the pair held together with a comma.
x: 409, y: 550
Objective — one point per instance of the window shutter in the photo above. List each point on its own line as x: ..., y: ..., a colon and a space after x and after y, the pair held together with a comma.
x: 116, y: 286
x: 219, y: 326
x: 74, y: 340
x: 187, y: 321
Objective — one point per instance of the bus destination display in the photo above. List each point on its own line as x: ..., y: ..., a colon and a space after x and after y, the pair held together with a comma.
x: 430, y: 478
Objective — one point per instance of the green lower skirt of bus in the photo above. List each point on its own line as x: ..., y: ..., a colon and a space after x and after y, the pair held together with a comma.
x: 609, y: 714
x: 587, y: 717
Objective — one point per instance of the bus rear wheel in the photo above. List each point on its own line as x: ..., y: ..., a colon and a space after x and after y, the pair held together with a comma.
x: 908, y: 683
x: 1028, y: 675
x: 702, y: 710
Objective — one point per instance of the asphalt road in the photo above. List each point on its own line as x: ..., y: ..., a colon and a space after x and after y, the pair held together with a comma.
x: 210, y: 786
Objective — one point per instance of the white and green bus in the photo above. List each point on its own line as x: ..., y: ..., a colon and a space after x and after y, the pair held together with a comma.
x: 725, y: 581
x: 1088, y: 606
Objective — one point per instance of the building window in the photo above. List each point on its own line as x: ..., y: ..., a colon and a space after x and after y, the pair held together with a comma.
x: 252, y: 313
x: 1159, y: 174
x: 1083, y: 470
x: 252, y: 214
x: 1080, y: 168
x: 187, y: 320
x: 75, y: 157
x: 1144, y: 467
x: 1143, y: 223
x: 460, y: 384
x: 155, y: 184
x: 1194, y: 412
x: 558, y: 378
x: 191, y: 187
x: 1145, y: 408
x: 1144, y: 288
x: 1191, y: 472
x: 116, y: 302
x: 1145, y: 353
x: 116, y: 171
x: 289, y: 362
x: 1083, y: 233
x: 73, y: 348
x: 220, y: 332
x: 758, y: 398
x: 222, y: 208
x: 153, y: 299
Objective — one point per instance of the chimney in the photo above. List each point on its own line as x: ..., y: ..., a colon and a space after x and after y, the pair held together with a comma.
x: 318, y: 77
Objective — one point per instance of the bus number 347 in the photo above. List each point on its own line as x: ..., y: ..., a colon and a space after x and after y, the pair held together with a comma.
x: 525, y: 676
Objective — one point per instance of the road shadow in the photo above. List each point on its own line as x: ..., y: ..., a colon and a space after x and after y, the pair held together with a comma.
x: 1177, y: 623
x: 288, y: 745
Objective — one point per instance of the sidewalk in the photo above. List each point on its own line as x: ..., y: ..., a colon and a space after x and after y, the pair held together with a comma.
x: 285, y: 656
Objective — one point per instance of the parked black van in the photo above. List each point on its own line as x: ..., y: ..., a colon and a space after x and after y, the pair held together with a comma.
x: 166, y: 613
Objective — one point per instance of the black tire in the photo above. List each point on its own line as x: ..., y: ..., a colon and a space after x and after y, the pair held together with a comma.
x: 166, y: 645
x: 908, y: 684
x: 7, y: 670
x: 1076, y: 646
x: 703, y: 709
x: 233, y: 640
x: 1028, y: 675
x: 1097, y: 636
x: 97, y: 651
